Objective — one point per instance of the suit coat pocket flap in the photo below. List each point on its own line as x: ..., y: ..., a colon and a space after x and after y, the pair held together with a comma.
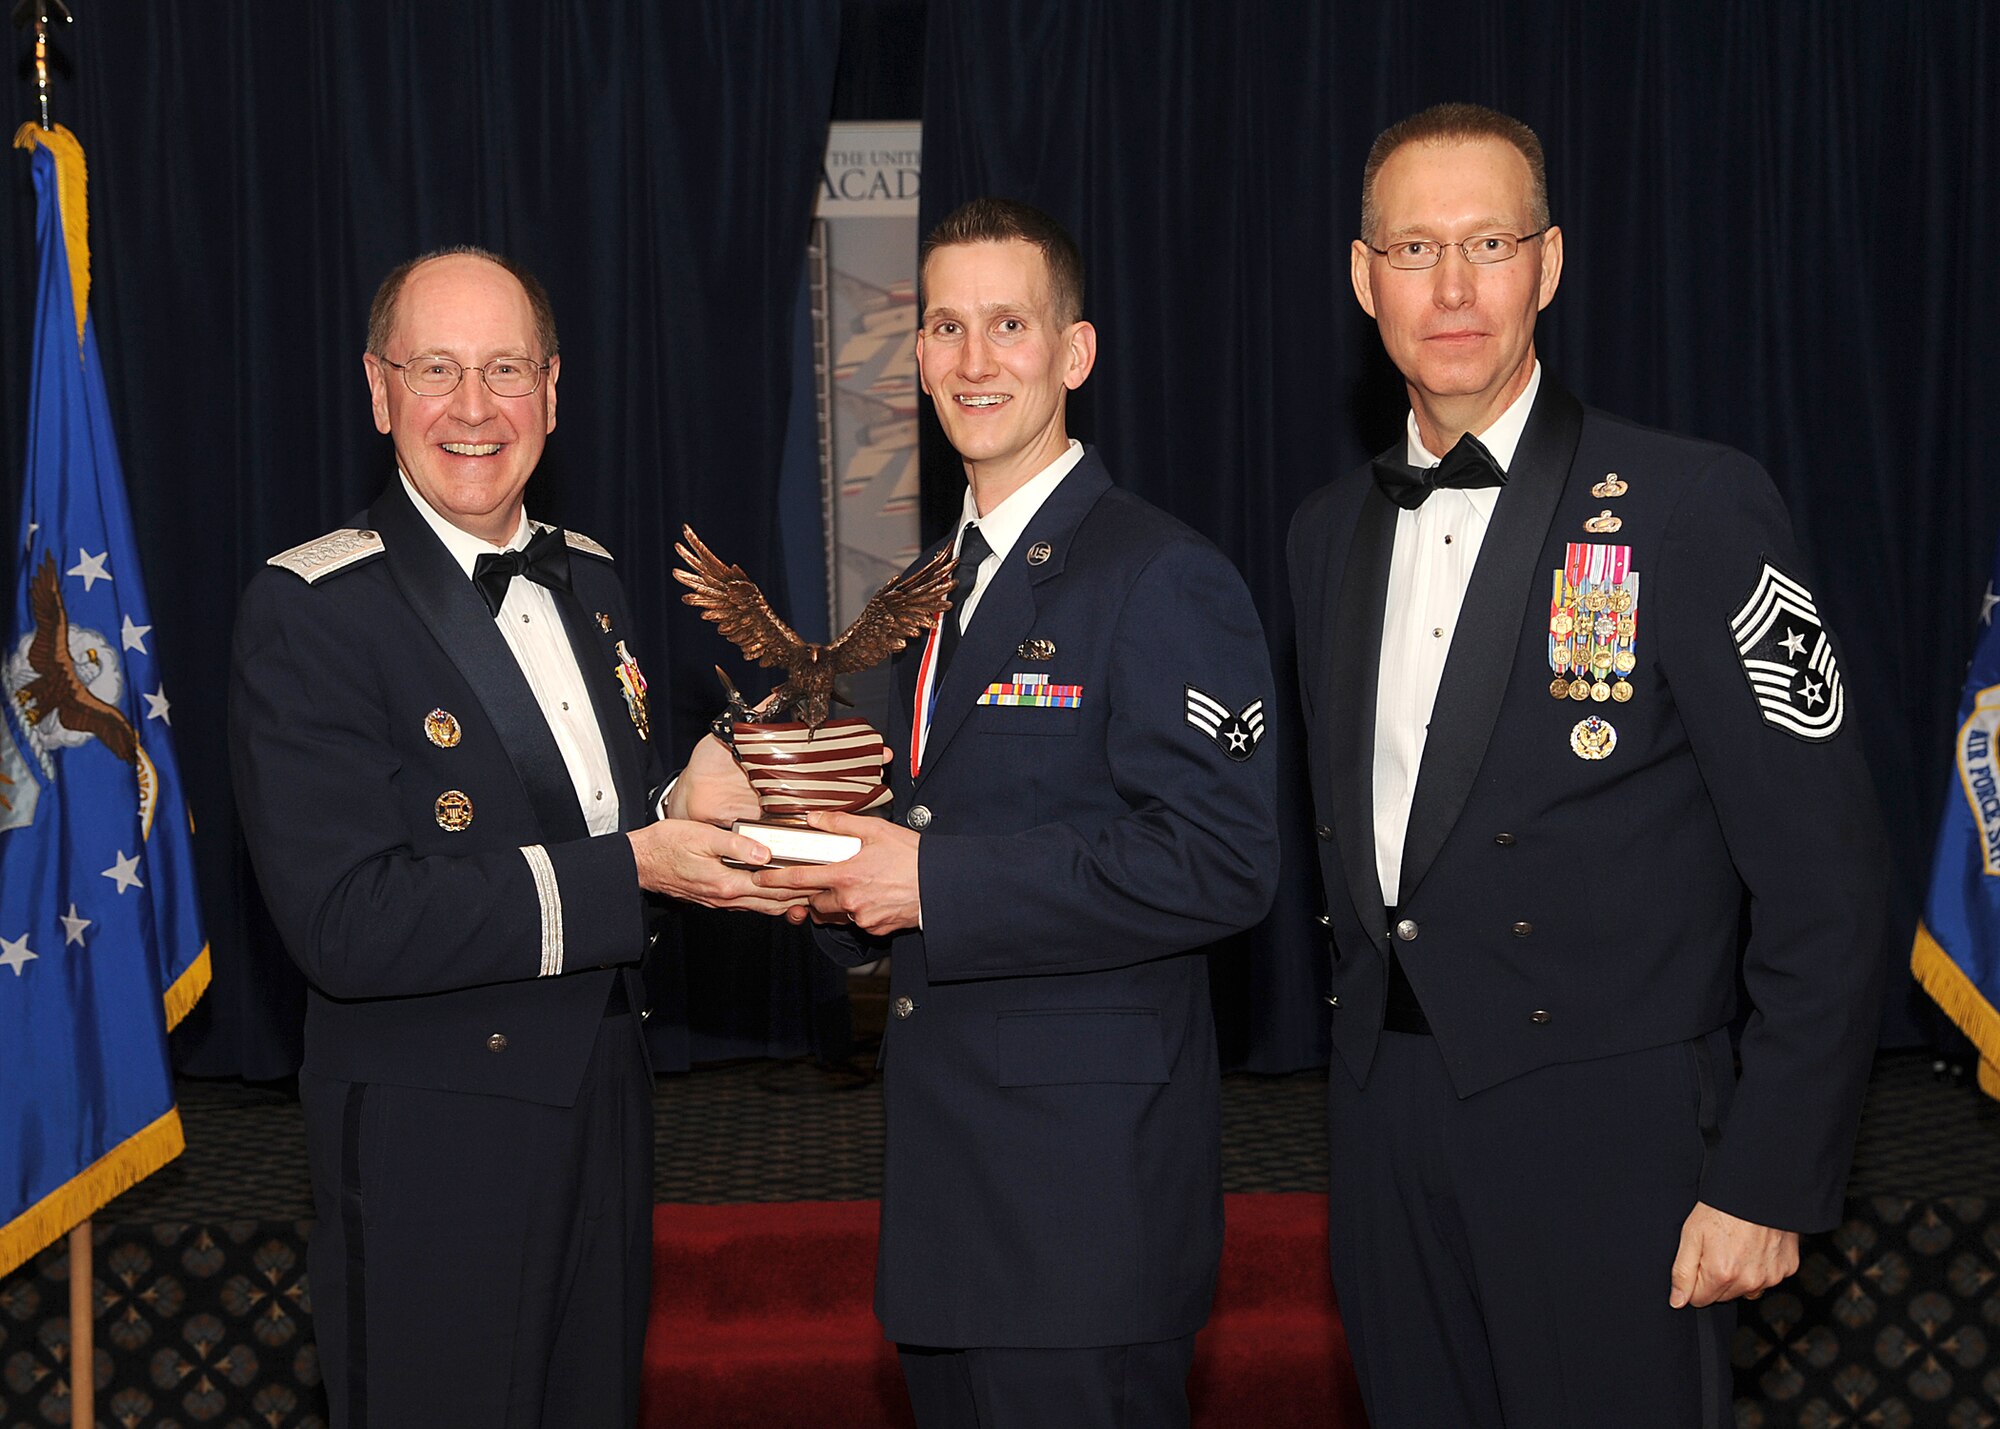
x: 1061, y: 1046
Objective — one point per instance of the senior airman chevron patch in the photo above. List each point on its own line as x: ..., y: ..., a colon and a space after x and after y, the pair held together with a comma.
x: 1237, y: 734
x: 1788, y: 658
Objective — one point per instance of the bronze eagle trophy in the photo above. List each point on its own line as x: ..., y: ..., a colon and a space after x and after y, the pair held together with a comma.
x: 808, y: 763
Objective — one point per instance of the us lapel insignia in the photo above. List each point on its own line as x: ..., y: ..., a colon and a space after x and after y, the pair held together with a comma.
x: 604, y: 622
x: 1603, y: 523
x: 441, y: 728
x: 1236, y: 735
x: 633, y: 682
x: 1039, y: 553
x: 1788, y: 658
x: 1611, y: 486
x: 1593, y: 738
x: 1036, y: 649
x: 454, y: 811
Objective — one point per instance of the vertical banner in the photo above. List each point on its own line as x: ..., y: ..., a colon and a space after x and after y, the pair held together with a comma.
x: 1956, y: 955
x: 863, y: 264
x: 100, y: 939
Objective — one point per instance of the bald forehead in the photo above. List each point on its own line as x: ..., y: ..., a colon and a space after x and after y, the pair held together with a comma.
x: 459, y: 291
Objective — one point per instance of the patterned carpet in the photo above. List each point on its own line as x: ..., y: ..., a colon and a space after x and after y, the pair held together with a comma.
x: 204, y: 1316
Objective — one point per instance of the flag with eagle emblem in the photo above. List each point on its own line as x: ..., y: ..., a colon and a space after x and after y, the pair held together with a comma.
x: 101, y: 950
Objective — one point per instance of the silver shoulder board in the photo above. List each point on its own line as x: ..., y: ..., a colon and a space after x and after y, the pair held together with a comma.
x: 579, y: 542
x: 335, y: 551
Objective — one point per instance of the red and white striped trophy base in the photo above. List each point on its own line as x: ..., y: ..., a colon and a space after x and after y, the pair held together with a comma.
x: 798, y: 770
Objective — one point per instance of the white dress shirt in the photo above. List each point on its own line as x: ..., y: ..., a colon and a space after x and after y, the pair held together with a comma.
x: 1436, y: 547
x: 532, y: 627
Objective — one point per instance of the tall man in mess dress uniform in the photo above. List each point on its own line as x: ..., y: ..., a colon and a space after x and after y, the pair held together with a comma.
x: 449, y: 784
x: 1581, y: 758
x: 1082, y: 805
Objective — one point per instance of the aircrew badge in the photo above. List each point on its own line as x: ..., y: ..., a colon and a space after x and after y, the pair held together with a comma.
x: 1236, y: 735
x: 1788, y: 658
x: 633, y: 682
x: 1594, y: 624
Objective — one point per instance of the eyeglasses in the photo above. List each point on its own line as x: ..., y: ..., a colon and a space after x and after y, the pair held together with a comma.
x: 1481, y: 248
x: 436, y: 376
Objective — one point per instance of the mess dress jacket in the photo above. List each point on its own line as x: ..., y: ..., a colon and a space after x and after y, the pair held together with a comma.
x: 425, y: 941
x: 1557, y: 908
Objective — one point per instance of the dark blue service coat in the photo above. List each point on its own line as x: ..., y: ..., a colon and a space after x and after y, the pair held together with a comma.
x: 1053, y: 1160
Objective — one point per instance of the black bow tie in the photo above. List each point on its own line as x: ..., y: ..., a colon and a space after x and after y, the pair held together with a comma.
x: 1465, y: 466
x: 544, y: 560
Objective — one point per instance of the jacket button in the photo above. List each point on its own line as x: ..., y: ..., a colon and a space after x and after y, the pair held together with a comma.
x: 497, y: 1042
x: 645, y: 1014
x: 1325, y: 920
x: 1521, y: 930
x: 1323, y: 831
x: 1538, y: 1017
x: 1333, y: 1002
x: 1407, y: 930
x: 902, y: 1007
x: 1504, y: 840
x: 919, y: 817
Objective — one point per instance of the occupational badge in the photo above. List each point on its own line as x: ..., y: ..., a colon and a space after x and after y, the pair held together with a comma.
x: 1594, y: 624
x: 632, y: 680
x: 604, y: 621
x: 454, y: 811
x: 1603, y: 523
x: 1788, y: 658
x: 1611, y: 486
x: 1236, y: 735
x: 1036, y: 649
x: 808, y: 763
x: 1593, y: 738
x: 441, y: 728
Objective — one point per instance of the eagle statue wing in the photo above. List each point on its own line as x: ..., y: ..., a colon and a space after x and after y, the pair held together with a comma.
x: 731, y: 599
x: 904, y: 608
x: 56, y: 687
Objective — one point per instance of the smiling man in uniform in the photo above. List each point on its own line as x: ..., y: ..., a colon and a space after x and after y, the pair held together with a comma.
x: 1082, y: 805
x: 450, y: 785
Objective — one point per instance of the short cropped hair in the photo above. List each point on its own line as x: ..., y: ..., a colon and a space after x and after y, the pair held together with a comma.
x: 1001, y: 220
x: 1456, y: 124
x: 382, y: 312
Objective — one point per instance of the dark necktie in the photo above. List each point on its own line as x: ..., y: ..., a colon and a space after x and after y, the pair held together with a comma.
x: 972, y: 550
x: 1465, y: 466
x: 544, y: 560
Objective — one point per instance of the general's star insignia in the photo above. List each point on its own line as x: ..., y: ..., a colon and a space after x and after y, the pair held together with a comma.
x: 1792, y: 674
x: 1236, y: 735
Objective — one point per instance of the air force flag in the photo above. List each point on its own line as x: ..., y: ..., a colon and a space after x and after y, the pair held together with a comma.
x: 100, y: 940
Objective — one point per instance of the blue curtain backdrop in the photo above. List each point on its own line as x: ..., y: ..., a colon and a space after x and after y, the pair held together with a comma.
x: 256, y: 168
x: 1778, y: 224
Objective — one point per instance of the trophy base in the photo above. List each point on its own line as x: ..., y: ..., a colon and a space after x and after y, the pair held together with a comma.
x: 792, y: 844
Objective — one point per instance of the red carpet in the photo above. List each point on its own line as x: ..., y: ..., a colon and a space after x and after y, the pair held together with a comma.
x: 761, y: 1317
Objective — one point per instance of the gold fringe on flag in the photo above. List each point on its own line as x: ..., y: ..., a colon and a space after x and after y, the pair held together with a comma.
x: 70, y: 185
x: 90, y: 1190
x: 187, y: 989
x: 1962, y: 1002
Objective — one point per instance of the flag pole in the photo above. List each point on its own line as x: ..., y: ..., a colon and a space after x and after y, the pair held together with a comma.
x: 39, y: 13
x: 82, y: 1331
